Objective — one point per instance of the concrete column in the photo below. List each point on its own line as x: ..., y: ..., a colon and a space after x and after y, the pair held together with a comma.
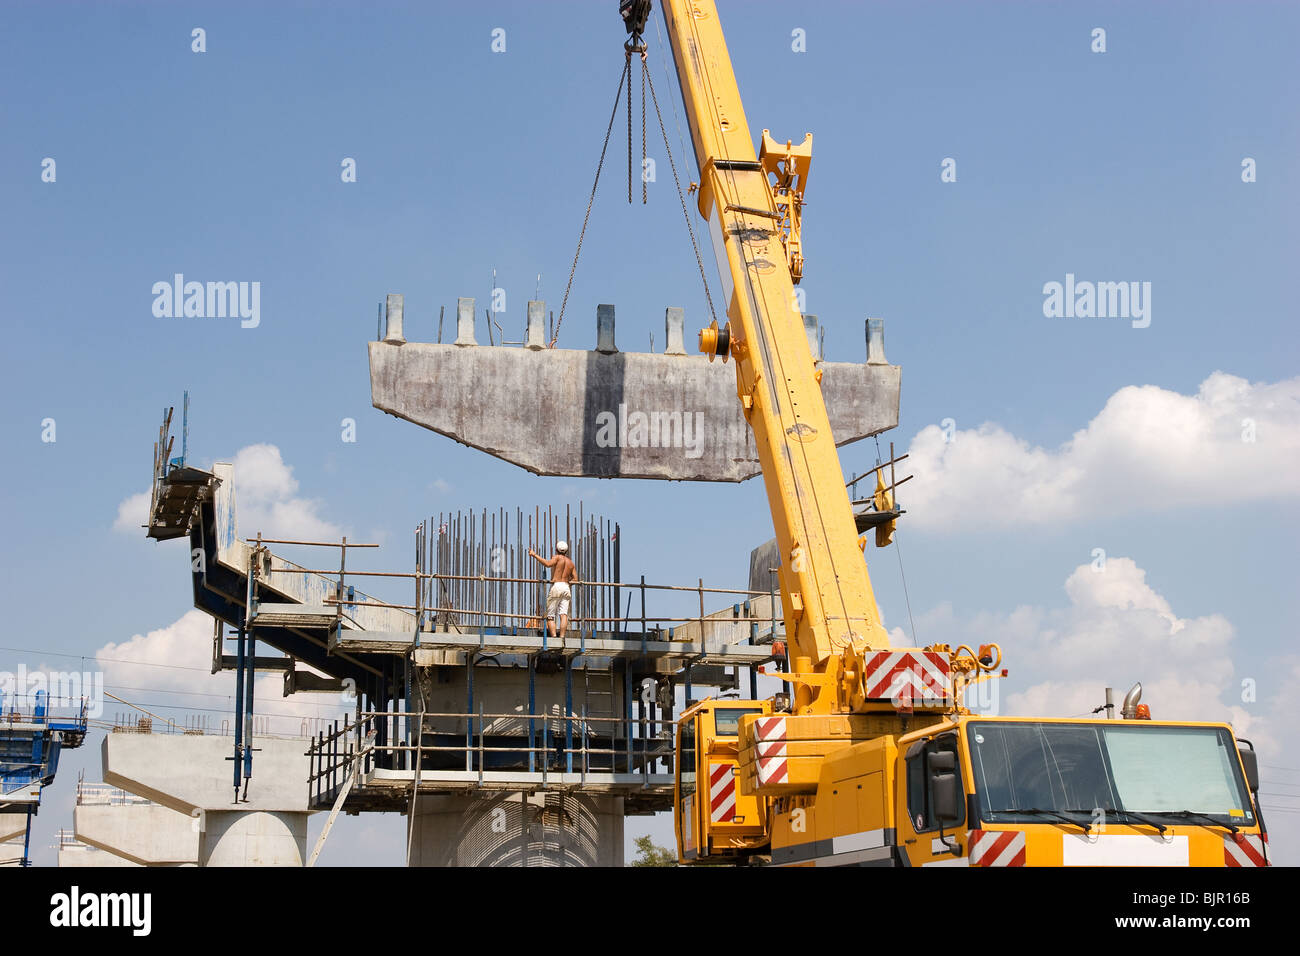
x: 813, y: 331
x: 465, y: 322
x: 674, y: 324
x: 191, y: 775
x: 515, y: 829
x: 605, y: 329
x: 876, y: 342
x: 256, y: 838
x: 504, y: 828
x: 536, y: 337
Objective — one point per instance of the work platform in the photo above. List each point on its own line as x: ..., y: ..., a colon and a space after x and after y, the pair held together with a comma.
x: 670, y: 655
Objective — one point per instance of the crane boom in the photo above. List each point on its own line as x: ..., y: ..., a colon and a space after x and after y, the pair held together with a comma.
x: 752, y: 205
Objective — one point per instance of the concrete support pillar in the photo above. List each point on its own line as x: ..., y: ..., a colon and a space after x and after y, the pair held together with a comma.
x: 813, y: 330
x: 516, y: 829
x: 256, y: 838
x: 536, y: 335
x: 191, y: 775
x: 605, y: 329
x: 876, y: 342
x: 393, y: 334
x: 674, y: 325
x: 465, y: 322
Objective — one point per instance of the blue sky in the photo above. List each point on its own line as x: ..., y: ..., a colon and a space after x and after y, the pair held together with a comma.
x: 1116, y: 166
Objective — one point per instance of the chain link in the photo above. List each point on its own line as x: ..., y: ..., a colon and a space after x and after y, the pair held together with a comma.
x: 644, y: 71
x: 699, y: 262
x: 629, y: 127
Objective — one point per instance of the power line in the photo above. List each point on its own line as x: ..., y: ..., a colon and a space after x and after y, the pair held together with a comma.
x: 223, y: 710
x: 114, y: 660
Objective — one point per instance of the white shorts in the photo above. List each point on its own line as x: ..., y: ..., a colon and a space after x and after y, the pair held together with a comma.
x: 557, y: 601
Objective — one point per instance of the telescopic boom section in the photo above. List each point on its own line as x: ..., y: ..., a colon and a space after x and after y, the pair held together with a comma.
x: 826, y: 591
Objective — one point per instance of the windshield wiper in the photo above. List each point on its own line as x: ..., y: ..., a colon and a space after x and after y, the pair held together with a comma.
x: 1209, y: 821
x: 1138, y: 817
x: 1038, y: 811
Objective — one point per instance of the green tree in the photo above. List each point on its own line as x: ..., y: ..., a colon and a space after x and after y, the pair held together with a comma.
x: 647, y: 854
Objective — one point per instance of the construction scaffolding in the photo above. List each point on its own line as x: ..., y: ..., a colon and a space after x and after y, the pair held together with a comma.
x: 592, y: 711
x: 453, y: 687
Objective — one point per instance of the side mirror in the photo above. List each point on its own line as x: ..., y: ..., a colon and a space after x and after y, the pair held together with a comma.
x: 944, y: 786
x: 941, y: 761
x: 1250, y: 762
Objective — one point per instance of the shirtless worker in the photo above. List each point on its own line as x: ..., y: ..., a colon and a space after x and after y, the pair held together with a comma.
x: 563, y: 573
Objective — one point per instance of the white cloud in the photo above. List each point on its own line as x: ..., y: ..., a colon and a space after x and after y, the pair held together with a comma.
x: 1148, y: 448
x: 1116, y: 630
x: 168, y: 671
x: 133, y: 513
x: 267, y: 500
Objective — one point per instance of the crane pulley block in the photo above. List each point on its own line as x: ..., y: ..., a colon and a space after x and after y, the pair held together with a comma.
x: 788, y: 167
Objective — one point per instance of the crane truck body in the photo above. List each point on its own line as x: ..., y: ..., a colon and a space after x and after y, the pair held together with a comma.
x: 873, y: 759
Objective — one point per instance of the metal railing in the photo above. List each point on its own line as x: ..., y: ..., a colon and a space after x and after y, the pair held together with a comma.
x: 471, y: 575
x: 106, y: 795
x: 545, y: 743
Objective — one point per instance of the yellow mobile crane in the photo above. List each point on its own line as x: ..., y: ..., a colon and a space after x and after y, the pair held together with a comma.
x: 876, y: 760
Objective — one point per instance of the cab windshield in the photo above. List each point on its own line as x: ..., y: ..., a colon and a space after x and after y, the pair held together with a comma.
x: 726, y: 720
x: 1128, y: 770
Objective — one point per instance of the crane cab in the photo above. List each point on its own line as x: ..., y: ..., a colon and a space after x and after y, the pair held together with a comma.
x: 714, y: 821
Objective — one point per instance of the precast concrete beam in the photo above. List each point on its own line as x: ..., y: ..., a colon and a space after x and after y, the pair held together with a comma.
x: 606, y: 413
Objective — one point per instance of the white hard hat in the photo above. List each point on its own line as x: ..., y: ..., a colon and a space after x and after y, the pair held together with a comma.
x: 562, y: 547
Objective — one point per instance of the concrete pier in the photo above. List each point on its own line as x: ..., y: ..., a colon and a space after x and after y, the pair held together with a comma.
x: 133, y: 829
x: 504, y: 828
x: 515, y: 829
x: 191, y: 775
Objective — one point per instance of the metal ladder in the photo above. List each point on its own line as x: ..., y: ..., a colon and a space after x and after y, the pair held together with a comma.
x: 600, y: 701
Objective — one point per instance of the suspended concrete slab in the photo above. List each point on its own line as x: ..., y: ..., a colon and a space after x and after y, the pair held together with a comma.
x: 605, y: 413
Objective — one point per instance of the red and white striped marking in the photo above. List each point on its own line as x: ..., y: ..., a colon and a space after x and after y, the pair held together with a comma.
x: 1245, y: 849
x: 769, y: 733
x: 908, y: 676
x: 997, y: 847
x: 722, y: 793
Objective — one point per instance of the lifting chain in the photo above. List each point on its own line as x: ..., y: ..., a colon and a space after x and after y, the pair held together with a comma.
x: 625, y: 76
x: 635, y: 45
